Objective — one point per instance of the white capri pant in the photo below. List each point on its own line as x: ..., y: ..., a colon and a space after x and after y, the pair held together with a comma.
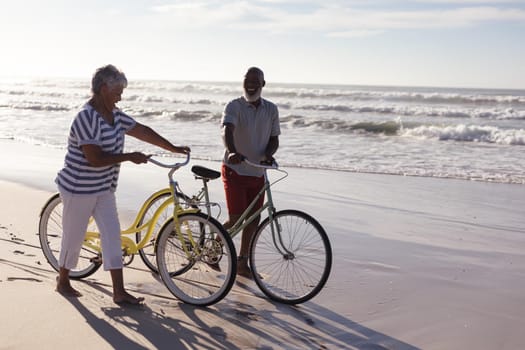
x: 77, y: 209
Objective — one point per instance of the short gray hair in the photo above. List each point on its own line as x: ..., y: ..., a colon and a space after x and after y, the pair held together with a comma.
x: 109, y: 75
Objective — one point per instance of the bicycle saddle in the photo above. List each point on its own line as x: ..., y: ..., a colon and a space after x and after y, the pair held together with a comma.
x: 205, y: 173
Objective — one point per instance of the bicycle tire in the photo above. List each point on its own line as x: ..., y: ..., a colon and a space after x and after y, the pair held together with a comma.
x: 147, y: 253
x: 193, y: 279
x: 297, y: 278
x: 50, y: 236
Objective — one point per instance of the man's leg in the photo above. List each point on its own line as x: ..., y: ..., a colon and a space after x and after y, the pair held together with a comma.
x: 244, y: 253
x: 242, y: 262
x: 240, y: 191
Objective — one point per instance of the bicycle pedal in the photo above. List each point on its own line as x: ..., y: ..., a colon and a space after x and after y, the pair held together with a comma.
x: 96, y: 260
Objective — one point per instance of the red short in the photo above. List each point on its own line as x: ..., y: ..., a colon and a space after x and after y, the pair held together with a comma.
x: 241, y: 190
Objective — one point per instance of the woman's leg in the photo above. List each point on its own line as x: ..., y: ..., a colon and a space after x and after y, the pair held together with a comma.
x: 75, y: 217
x: 106, y: 217
x: 120, y: 295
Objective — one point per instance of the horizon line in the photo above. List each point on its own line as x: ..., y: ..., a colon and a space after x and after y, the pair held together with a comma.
x: 385, y: 85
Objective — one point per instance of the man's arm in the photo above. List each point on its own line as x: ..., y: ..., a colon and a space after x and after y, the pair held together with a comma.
x: 229, y: 144
x: 271, y: 148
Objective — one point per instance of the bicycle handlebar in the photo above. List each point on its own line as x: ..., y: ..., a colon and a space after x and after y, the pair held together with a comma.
x: 171, y: 166
x: 274, y: 165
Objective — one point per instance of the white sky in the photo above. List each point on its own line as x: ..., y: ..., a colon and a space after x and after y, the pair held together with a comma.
x: 455, y: 43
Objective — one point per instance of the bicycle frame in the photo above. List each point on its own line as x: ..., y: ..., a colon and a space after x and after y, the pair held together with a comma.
x: 129, y: 246
x: 246, y: 218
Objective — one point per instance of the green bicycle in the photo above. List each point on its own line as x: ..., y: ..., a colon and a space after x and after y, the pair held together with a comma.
x: 290, y: 253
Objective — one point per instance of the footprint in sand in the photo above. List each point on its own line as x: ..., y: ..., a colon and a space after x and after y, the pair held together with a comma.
x: 31, y: 279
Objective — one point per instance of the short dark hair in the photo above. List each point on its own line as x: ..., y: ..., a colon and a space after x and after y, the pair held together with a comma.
x: 256, y: 70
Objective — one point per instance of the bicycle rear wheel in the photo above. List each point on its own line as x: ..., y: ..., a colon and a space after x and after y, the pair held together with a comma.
x: 291, y: 265
x: 50, y: 235
x: 205, y: 274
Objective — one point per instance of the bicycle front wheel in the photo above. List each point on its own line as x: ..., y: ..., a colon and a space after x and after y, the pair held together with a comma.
x: 199, y: 265
x: 147, y: 253
x: 290, y: 257
x: 50, y: 235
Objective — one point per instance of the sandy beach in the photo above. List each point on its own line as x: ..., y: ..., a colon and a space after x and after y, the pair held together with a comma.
x: 419, y: 263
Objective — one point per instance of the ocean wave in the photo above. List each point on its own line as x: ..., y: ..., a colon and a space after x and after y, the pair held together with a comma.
x: 443, y: 112
x: 448, y: 98
x: 35, y: 94
x: 468, y: 133
x: 431, y: 97
x: 343, y: 126
x: 180, y: 115
x: 157, y: 105
x: 148, y: 99
x: 348, y: 93
x: 39, y: 106
x: 193, y: 115
x: 398, y: 127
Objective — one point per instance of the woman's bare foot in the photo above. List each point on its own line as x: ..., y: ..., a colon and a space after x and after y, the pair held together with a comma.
x: 127, y: 299
x: 66, y: 290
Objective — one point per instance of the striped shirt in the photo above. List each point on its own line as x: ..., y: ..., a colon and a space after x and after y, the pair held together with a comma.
x: 89, y: 128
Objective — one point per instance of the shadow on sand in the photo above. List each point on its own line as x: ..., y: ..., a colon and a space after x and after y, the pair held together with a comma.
x: 243, y: 320
x: 255, y: 323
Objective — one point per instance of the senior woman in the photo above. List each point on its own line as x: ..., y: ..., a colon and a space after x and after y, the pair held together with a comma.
x: 88, y: 181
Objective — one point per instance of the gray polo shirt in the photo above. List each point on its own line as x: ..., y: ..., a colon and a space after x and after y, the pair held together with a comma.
x: 253, y: 129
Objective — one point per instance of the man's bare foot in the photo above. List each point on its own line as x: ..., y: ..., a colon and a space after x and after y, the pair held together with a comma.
x: 127, y: 299
x: 66, y: 290
x: 244, y: 271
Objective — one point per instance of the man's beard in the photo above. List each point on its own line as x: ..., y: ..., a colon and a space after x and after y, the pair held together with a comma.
x: 254, y: 97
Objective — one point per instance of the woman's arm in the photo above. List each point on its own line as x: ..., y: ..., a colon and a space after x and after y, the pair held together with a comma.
x: 96, y: 157
x: 147, y: 134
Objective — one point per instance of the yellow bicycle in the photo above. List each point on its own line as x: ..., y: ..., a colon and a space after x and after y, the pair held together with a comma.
x: 194, y: 256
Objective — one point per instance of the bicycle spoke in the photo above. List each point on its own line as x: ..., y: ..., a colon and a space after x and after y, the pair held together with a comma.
x: 291, y: 265
x: 199, y: 281
x: 50, y: 236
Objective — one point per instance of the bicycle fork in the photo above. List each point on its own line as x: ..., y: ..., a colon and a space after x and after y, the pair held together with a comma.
x: 276, y: 227
x: 188, y: 244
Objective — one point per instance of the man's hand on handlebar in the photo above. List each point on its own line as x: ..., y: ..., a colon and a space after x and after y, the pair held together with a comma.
x: 182, y: 149
x: 235, y: 158
x: 268, y: 160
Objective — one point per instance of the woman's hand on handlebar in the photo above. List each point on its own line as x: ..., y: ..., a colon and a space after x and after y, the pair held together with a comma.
x: 138, y: 157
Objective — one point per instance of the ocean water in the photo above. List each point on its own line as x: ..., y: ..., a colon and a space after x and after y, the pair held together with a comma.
x: 471, y: 134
